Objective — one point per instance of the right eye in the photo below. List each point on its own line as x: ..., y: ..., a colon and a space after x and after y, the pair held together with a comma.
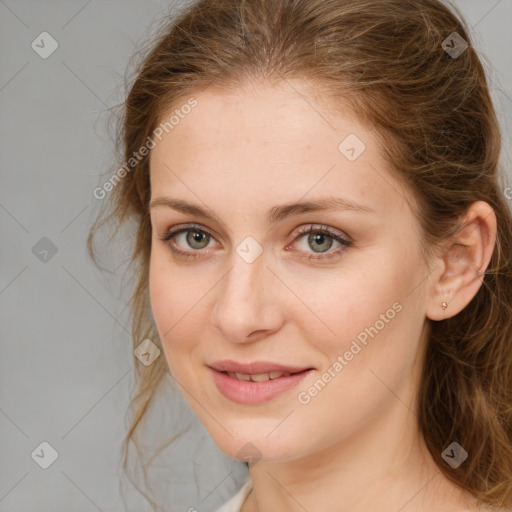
x: 190, y: 235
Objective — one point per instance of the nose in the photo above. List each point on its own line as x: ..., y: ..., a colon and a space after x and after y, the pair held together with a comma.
x: 247, y: 305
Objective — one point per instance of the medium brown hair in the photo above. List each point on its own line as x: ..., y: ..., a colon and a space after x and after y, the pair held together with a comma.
x: 439, y: 133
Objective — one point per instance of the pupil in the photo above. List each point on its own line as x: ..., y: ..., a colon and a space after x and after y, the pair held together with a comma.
x: 195, y: 237
x: 320, y: 238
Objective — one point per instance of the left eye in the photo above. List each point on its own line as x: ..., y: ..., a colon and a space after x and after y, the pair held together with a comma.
x: 197, y: 239
x: 322, y: 238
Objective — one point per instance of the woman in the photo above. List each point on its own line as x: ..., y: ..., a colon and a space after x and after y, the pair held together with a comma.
x: 324, y: 250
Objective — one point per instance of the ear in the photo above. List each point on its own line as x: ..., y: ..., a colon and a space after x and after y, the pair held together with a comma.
x: 464, y: 260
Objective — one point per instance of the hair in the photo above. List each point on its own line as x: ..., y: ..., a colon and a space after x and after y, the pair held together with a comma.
x: 438, y: 131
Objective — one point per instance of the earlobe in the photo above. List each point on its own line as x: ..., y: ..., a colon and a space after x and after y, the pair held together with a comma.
x: 463, y: 264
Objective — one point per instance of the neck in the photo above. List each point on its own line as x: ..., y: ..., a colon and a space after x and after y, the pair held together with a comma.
x: 383, y: 466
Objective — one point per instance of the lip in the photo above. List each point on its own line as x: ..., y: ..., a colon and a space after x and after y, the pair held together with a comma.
x: 227, y: 365
x: 249, y: 392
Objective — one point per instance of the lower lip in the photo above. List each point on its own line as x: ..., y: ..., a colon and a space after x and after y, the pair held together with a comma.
x: 249, y: 392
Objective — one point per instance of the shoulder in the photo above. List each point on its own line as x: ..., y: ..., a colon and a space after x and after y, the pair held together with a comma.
x: 234, y: 504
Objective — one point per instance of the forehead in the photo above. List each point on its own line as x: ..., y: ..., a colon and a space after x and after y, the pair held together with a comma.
x: 260, y: 140
x: 260, y: 114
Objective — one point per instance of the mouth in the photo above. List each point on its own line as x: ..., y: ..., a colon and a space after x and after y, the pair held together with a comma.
x: 253, y: 388
x: 258, y: 377
x: 256, y: 367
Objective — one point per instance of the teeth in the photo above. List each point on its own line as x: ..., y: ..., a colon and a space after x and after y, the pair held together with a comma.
x: 258, y: 377
x: 275, y: 375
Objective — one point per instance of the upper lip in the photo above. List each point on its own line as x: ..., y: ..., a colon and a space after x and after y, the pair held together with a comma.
x: 255, y: 367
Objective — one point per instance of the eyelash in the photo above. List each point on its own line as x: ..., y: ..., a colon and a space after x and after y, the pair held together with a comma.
x: 303, y: 230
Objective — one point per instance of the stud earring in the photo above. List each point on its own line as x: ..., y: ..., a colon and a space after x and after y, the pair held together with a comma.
x: 444, y: 305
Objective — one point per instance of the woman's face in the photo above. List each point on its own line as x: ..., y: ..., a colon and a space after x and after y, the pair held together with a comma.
x: 254, y: 290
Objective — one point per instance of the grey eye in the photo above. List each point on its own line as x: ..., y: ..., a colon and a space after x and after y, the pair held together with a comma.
x: 323, y: 240
x: 196, y: 238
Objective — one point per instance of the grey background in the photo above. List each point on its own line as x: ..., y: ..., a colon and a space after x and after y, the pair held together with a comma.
x: 66, y: 362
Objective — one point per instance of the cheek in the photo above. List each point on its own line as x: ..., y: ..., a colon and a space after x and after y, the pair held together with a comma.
x: 161, y: 293
x: 376, y: 331
x: 169, y: 296
x: 369, y: 317
x: 171, y: 290
x: 178, y: 306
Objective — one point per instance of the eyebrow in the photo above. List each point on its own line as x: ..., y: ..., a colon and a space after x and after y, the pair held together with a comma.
x: 274, y: 214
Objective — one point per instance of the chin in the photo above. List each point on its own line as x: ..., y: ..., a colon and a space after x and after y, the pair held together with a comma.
x: 250, y: 444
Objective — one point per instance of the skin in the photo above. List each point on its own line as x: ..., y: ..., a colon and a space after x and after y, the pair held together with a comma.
x: 356, y: 445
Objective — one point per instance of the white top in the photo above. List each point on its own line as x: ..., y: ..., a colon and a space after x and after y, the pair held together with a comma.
x: 235, y: 503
